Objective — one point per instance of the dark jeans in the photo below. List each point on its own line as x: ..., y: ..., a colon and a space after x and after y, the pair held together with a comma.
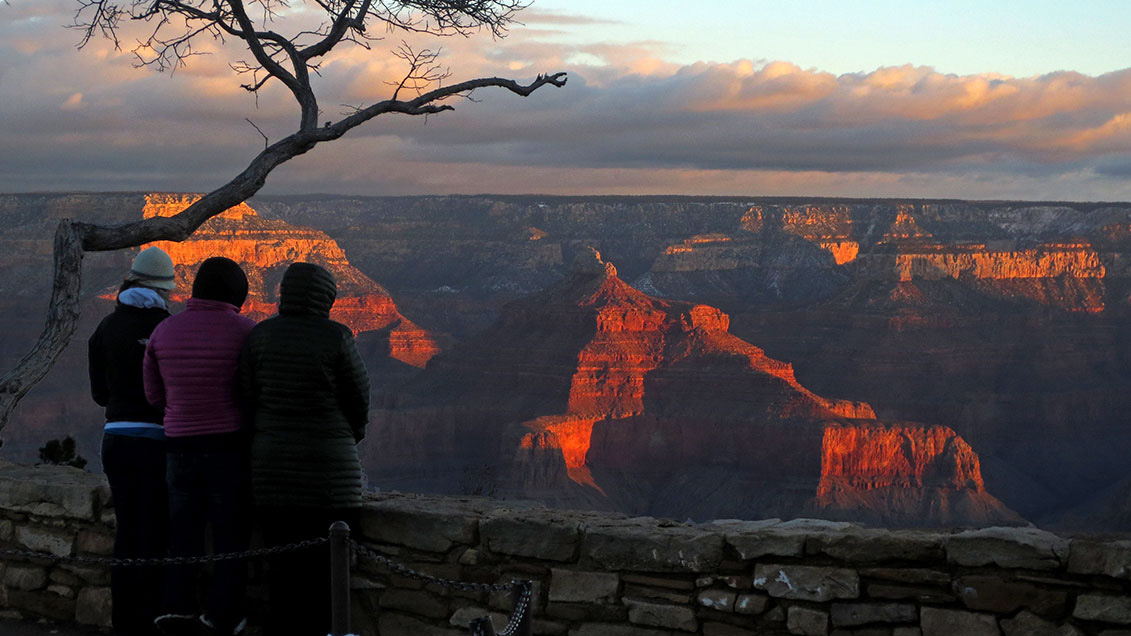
x: 135, y: 468
x: 208, y: 487
x: 298, y: 583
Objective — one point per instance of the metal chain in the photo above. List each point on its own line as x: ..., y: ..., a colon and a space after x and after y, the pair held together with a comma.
x: 183, y: 560
x: 519, y: 610
x: 404, y: 570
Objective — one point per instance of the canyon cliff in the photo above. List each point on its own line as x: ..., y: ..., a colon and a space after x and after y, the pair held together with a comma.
x: 593, y: 393
x: 1006, y: 323
x: 265, y: 248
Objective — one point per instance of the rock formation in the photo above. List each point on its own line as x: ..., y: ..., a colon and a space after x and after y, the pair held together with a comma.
x: 265, y: 247
x: 594, y: 393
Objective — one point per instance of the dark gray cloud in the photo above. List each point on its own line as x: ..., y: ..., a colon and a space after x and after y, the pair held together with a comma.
x: 89, y: 120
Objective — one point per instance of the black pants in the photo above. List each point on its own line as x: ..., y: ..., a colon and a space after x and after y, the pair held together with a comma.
x: 208, y: 488
x: 298, y: 583
x: 135, y: 468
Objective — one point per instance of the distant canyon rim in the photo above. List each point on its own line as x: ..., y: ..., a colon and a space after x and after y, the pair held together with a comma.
x: 897, y: 362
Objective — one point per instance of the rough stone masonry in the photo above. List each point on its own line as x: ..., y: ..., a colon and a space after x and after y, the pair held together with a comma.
x: 598, y: 574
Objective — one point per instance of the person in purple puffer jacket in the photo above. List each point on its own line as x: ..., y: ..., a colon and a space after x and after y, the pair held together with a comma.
x: 190, y: 370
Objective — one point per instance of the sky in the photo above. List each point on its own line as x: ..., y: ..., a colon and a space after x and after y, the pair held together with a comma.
x: 873, y: 98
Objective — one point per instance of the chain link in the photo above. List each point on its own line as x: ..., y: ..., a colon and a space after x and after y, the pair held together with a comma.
x: 406, y: 571
x: 183, y: 560
x: 520, y: 609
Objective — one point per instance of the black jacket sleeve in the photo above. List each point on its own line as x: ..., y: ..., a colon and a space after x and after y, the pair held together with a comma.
x: 352, y: 382
x: 96, y: 364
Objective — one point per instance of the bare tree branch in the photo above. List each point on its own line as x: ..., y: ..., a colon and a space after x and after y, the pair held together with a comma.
x: 174, y: 26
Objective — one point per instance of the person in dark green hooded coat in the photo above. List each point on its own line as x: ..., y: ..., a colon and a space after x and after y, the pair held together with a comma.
x: 307, y: 391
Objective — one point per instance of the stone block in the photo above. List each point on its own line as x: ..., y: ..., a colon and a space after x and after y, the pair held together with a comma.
x: 612, y: 629
x: 89, y: 542
x: 912, y: 576
x: 61, y: 590
x: 661, y: 615
x: 751, y: 603
x: 53, y: 491
x: 55, y: 542
x: 670, y: 596
x: 414, y: 602
x: 755, y: 545
x: 807, y: 583
x: 25, y: 577
x: 93, y: 575
x: 871, y: 545
x: 1027, y: 623
x: 900, y: 592
x: 93, y: 606
x: 6, y: 530
x: 906, y: 631
x: 993, y: 594
x: 542, y: 627
x: 393, y: 623
x: 1103, y: 608
x: 719, y: 600
x: 582, y: 587
x: 947, y: 622
x: 647, y: 548
x: 1022, y: 548
x: 546, y: 538
x: 1111, y: 558
x: 658, y: 581
x: 462, y: 617
x: 63, y: 577
x: 807, y: 622
x: 737, y: 582
x: 722, y: 629
x: 422, y: 526
x: 855, y: 614
x: 45, y: 604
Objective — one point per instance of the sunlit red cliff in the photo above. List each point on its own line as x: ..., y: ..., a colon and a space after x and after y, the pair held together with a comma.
x: 621, y: 400
x: 264, y: 248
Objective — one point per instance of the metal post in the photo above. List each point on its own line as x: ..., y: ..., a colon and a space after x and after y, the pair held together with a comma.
x: 482, y: 627
x: 339, y: 579
x: 523, y: 598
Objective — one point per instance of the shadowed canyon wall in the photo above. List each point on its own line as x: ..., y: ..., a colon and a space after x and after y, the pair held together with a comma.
x: 992, y: 330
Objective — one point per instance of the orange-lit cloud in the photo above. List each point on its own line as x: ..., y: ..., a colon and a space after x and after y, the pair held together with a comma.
x: 628, y: 121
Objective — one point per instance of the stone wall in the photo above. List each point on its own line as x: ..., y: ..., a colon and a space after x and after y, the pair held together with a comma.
x: 597, y: 574
x: 65, y: 512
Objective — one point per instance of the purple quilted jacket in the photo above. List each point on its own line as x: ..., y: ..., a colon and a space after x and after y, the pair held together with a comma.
x: 190, y: 368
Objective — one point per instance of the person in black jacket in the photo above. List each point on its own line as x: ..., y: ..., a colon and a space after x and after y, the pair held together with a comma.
x: 308, y: 393
x: 133, y: 441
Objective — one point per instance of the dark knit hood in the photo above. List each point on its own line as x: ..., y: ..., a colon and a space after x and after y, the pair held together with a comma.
x: 307, y: 289
x: 222, y: 279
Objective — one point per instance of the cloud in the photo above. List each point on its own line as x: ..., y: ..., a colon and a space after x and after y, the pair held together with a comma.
x: 628, y: 121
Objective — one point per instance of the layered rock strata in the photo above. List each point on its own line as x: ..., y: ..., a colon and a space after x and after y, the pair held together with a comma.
x: 594, y: 393
x: 265, y: 247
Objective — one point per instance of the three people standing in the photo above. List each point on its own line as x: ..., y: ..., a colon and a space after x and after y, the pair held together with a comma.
x: 273, y: 411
